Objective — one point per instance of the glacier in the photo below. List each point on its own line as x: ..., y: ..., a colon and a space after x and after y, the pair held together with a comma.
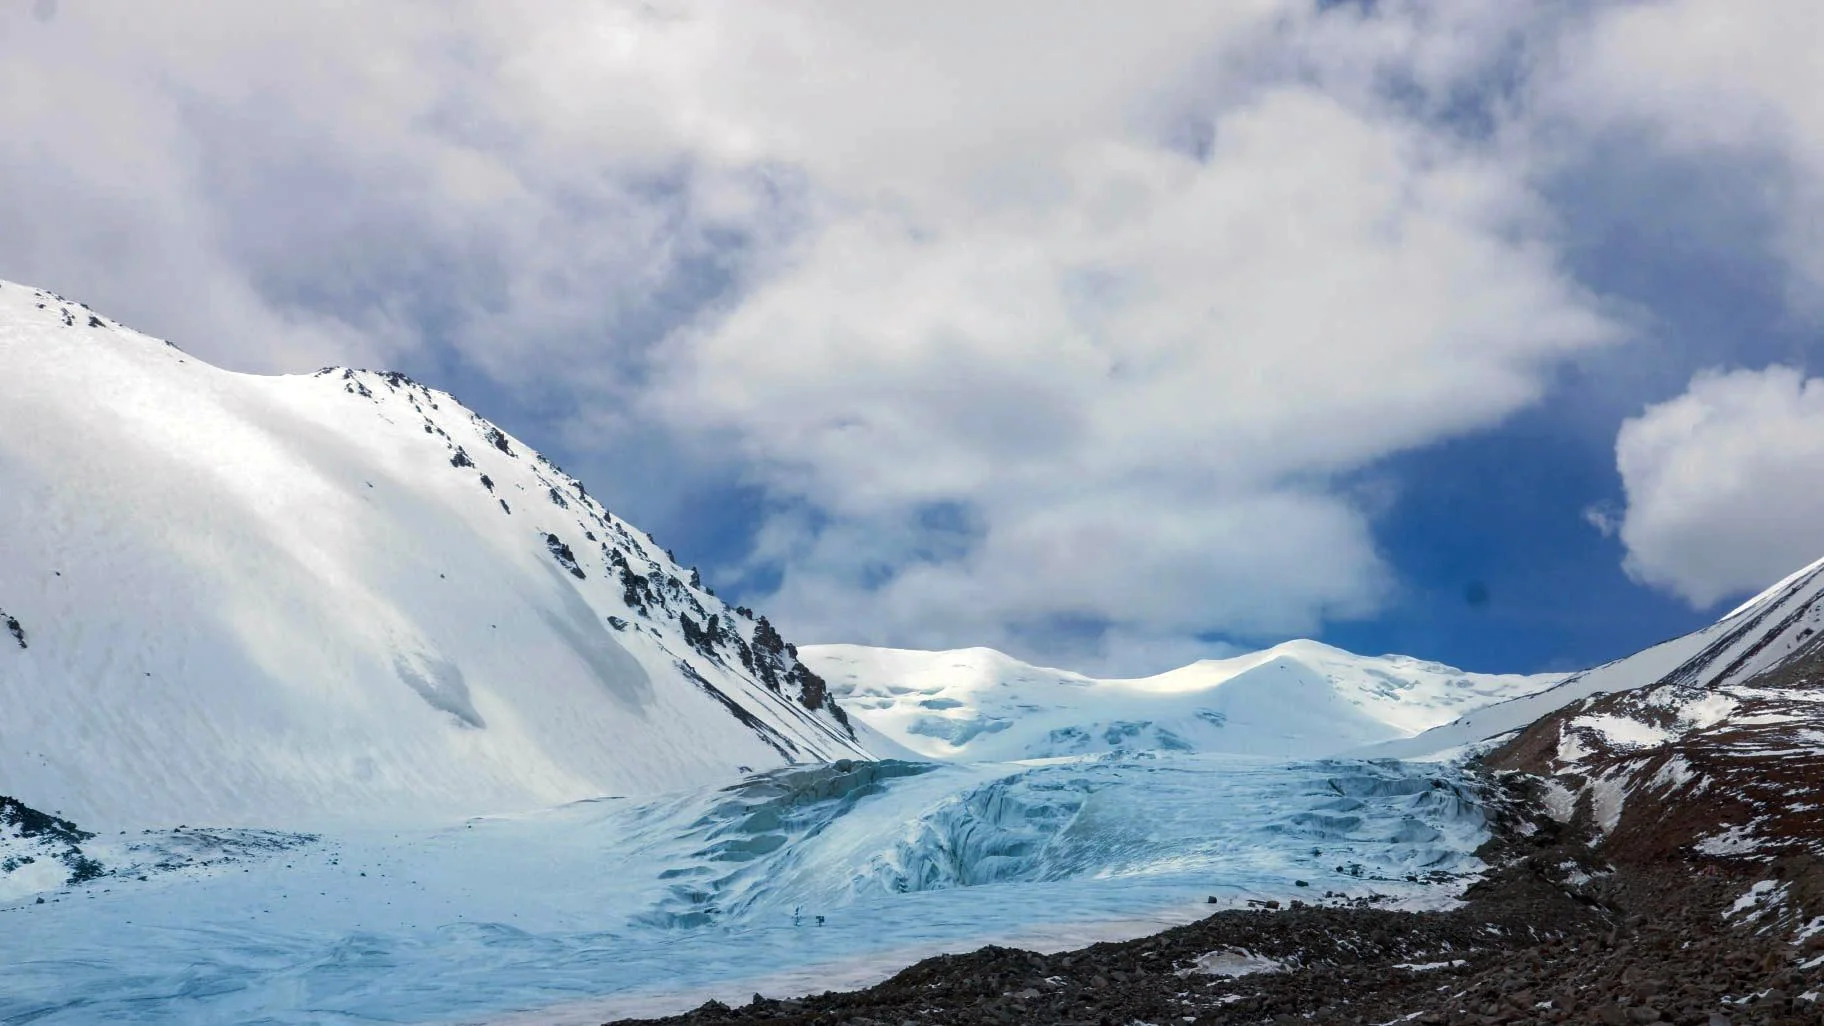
x: 796, y: 880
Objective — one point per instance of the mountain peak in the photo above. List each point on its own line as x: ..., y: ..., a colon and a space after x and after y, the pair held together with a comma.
x: 1298, y: 699
x: 295, y: 597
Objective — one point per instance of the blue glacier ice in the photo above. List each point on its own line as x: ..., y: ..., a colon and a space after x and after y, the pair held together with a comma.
x: 800, y: 879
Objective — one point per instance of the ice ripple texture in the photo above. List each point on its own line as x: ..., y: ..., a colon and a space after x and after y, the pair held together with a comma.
x: 806, y: 879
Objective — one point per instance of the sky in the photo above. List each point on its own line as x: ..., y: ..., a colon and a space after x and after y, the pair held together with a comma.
x: 1110, y: 337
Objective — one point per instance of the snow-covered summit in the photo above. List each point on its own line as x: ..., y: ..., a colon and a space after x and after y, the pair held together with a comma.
x: 248, y: 600
x: 1295, y: 700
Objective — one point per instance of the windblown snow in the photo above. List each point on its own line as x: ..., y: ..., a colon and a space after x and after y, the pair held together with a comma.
x: 1298, y: 700
x: 253, y: 600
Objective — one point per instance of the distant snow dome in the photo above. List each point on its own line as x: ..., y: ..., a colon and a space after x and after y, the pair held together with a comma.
x: 1298, y: 700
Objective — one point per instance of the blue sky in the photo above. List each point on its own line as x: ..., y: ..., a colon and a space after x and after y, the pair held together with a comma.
x: 1476, y: 331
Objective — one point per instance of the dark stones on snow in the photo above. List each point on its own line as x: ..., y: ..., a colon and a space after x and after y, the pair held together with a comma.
x: 351, y: 382
x: 57, y: 838
x: 26, y: 821
x: 705, y: 639
x: 775, y: 661
x: 812, y: 691
x: 13, y: 627
x: 650, y: 588
x: 565, y: 558
x: 636, y: 590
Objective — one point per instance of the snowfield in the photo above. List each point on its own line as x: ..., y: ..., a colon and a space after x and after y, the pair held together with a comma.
x: 1299, y: 700
x: 317, y: 599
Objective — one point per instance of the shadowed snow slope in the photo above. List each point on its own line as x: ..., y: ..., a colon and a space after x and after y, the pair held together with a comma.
x: 1301, y: 699
x: 1762, y: 635
x: 255, y: 600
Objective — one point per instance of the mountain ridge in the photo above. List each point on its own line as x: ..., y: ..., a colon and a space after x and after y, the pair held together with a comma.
x: 1753, y: 638
x: 1298, y: 699
x: 258, y: 599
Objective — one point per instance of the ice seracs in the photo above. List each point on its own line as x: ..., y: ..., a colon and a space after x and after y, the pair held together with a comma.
x: 1301, y: 699
x: 255, y: 600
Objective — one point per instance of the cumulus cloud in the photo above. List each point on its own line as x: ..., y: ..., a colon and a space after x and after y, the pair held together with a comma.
x: 1721, y: 484
x: 1141, y: 391
x: 1033, y: 324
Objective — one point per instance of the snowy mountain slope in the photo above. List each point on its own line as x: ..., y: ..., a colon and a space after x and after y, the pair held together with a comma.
x: 1759, y: 636
x: 1297, y: 700
x: 1719, y: 758
x: 249, y: 600
x: 1729, y: 770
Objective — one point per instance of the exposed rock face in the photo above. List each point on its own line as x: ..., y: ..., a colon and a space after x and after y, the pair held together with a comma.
x: 1723, y: 757
x: 29, y: 837
x: 1675, y: 772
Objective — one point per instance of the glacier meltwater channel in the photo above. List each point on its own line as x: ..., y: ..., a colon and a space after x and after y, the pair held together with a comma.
x: 801, y: 879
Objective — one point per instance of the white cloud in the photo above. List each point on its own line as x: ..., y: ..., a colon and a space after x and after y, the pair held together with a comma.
x: 1142, y: 390
x: 1603, y: 517
x: 1721, y: 483
x: 1025, y: 314
x: 1726, y: 82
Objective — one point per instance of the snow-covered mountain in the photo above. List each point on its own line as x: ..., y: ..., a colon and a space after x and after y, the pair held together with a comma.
x: 1757, y: 638
x: 249, y: 600
x: 1718, y: 756
x: 1301, y: 699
